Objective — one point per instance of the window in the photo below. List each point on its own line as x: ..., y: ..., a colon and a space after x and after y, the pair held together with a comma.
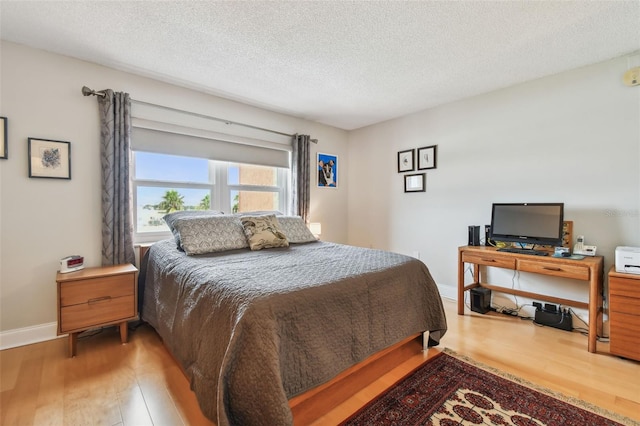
x: 164, y: 183
x: 253, y: 188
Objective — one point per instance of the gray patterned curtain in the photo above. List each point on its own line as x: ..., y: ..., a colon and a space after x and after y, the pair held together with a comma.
x: 301, y: 176
x: 117, y: 209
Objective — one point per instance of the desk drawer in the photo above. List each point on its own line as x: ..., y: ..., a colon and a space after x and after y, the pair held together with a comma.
x: 489, y: 260
x: 83, y: 291
x: 556, y: 269
x: 93, y: 314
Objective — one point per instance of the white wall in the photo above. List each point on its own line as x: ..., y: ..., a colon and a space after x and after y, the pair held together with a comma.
x: 42, y: 220
x: 572, y: 138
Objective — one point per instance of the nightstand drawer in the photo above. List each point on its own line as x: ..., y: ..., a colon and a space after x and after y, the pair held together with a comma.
x: 555, y: 269
x: 85, y: 291
x: 98, y: 311
x: 489, y: 260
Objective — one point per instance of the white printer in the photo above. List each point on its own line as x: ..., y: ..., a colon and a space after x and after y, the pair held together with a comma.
x: 628, y: 260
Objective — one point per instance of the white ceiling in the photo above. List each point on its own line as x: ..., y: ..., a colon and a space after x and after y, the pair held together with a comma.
x: 343, y: 63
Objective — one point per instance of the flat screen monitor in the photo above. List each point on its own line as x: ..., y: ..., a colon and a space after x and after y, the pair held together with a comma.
x: 528, y: 223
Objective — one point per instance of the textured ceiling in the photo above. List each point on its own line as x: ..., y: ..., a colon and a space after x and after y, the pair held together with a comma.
x: 346, y: 64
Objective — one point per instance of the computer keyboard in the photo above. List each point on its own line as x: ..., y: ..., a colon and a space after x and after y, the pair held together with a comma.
x: 524, y: 251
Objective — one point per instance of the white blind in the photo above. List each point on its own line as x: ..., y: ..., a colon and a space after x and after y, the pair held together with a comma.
x: 209, y: 145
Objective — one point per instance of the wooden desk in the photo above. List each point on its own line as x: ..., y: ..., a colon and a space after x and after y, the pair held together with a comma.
x: 588, y: 269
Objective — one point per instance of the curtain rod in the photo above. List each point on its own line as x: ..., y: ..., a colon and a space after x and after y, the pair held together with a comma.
x: 89, y: 92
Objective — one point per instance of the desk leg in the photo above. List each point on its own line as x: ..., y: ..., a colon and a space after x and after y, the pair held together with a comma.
x: 460, y: 284
x: 595, y: 309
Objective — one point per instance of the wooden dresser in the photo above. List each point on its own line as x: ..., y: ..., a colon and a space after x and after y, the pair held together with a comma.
x: 96, y: 297
x: 624, y: 314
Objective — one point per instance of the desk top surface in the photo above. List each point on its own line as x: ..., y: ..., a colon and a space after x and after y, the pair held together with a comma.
x: 493, y: 251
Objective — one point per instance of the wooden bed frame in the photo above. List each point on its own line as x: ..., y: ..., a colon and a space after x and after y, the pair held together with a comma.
x: 316, y: 402
x: 313, y: 404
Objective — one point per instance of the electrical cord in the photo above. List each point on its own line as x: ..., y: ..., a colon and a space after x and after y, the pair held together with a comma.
x: 470, y: 270
x: 516, y: 273
x: 514, y: 311
x: 585, y: 331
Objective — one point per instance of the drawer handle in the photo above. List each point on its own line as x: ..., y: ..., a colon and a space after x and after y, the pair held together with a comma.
x: 548, y: 268
x: 99, y: 299
x: 489, y: 260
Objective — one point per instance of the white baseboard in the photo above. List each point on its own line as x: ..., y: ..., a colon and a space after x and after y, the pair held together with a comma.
x: 448, y: 291
x: 28, y: 335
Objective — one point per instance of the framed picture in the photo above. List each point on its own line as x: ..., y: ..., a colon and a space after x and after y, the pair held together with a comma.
x: 3, y: 138
x: 415, y: 183
x: 49, y: 159
x: 406, y: 161
x: 427, y: 157
x: 327, y: 171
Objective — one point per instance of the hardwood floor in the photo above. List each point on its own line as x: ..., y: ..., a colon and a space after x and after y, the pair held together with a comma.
x: 139, y: 383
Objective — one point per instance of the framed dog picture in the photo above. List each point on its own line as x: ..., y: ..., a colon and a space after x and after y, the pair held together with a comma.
x: 327, y: 170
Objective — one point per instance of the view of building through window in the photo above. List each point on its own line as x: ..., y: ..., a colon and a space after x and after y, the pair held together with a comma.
x: 250, y: 175
x: 167, y: 183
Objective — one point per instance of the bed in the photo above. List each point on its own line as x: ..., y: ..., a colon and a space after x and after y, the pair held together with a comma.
x: 252, y: 328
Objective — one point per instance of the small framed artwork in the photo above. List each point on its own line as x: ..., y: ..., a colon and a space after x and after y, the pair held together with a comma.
x: 415, y: 183
x: 427, y: 157
x: 406, y: 161
x: 327, y: 171
x: 3, y: 138
x: 49, y: 159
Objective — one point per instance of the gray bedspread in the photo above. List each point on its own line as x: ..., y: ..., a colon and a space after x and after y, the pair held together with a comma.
x: 253, y: 329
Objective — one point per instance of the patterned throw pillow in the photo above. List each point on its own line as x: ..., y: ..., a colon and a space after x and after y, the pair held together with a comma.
x: 200, y: 235
x: 171, y: 219
x: 295, y: 229
x: 263, y: 232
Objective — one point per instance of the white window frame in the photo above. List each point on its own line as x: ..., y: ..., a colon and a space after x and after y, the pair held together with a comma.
x: 282, y: 190
x: 219, y: 192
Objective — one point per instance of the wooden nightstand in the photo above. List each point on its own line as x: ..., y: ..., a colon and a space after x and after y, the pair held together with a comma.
x: 96, y: 297
x: 624, y: 314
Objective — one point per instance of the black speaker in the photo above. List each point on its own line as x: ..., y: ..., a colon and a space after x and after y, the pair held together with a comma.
x: 480, y: 300
x: 487, y: 236
x: 474, y: 235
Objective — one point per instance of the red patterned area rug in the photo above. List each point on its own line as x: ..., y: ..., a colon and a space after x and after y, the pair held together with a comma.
x: 453, y: 390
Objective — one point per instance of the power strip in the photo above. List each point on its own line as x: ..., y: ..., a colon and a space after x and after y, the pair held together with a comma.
x: 552, y: 316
